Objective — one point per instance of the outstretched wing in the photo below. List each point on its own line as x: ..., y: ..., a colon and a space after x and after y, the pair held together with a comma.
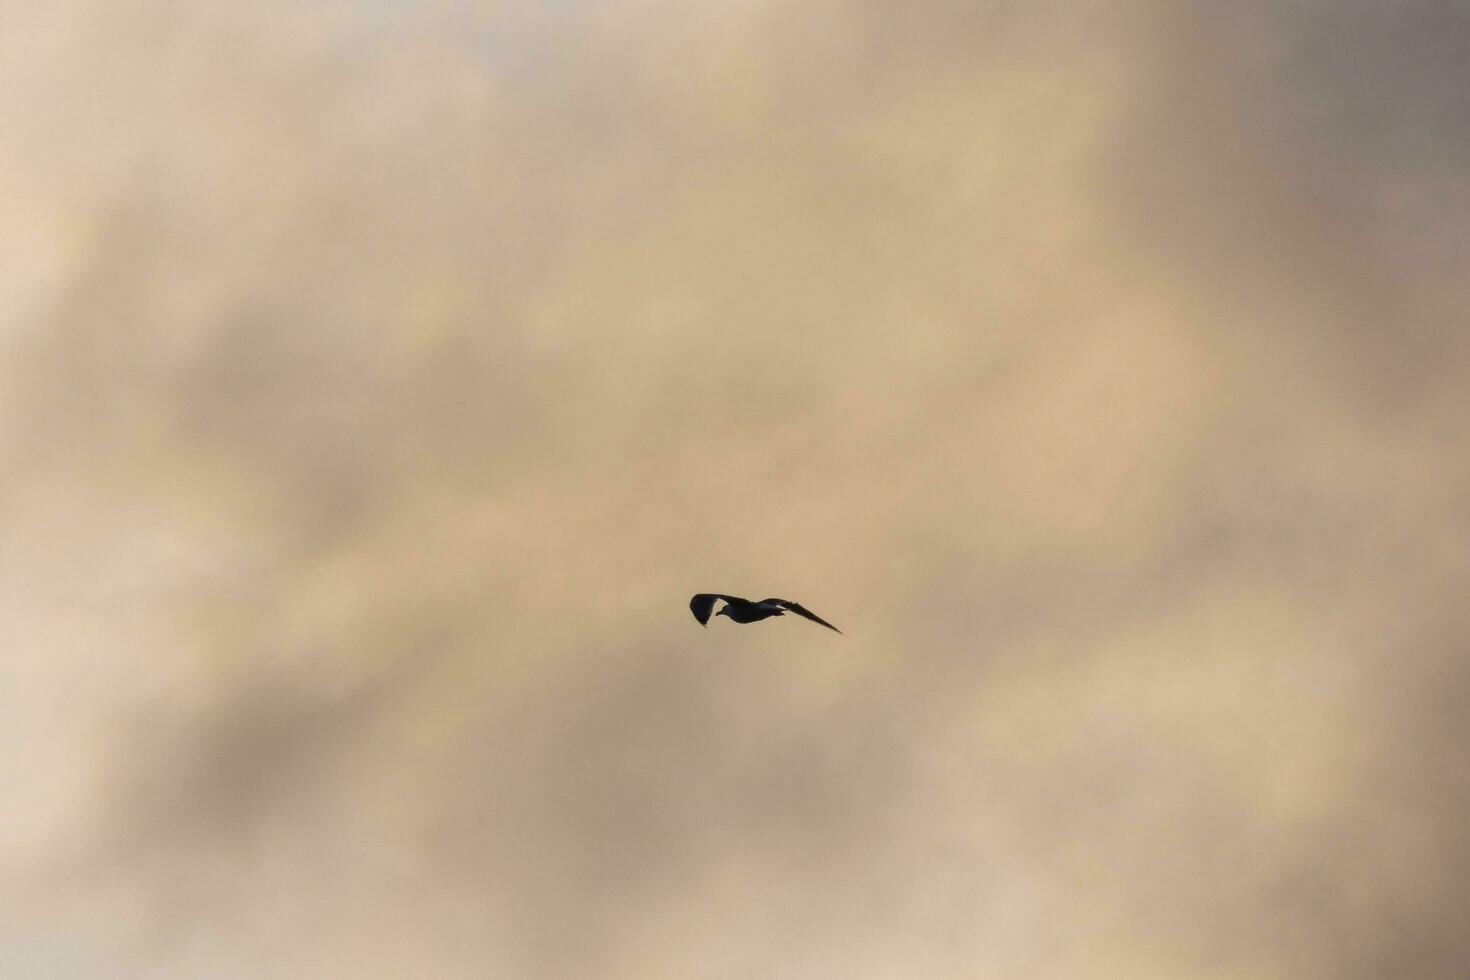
x: 803, y: 611
x: 704, y: 604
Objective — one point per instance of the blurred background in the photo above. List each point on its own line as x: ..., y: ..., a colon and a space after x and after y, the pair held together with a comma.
x: 378, y: 380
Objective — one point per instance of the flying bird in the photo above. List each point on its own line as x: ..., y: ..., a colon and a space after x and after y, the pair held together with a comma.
x: 745, y: 611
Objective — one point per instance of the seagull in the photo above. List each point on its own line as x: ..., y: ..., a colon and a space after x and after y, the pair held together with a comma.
x: 745, y: 611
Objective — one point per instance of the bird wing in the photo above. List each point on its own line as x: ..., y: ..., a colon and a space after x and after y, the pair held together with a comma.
x: 803, y: 611
x: 704, y: 604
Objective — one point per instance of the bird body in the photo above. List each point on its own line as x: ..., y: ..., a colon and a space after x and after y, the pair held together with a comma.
x: 746, y: 611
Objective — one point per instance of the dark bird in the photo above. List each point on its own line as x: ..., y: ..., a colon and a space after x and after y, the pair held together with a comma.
x: 745, y: 611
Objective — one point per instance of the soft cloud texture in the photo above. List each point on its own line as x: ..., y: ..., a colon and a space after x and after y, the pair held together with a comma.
x: 377, y: 382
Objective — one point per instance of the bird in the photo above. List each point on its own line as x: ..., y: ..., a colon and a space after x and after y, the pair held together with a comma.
x: 745, y: 611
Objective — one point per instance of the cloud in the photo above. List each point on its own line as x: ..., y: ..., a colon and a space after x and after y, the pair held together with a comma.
x: 378, y: 384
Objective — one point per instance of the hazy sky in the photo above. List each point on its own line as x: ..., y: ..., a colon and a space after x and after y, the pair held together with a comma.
x: 378, y: 381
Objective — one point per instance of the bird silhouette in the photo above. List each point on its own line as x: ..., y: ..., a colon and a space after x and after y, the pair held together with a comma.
x: 744, y: 611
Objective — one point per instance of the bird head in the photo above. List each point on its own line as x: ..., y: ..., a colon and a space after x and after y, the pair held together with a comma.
x: 724, y: 611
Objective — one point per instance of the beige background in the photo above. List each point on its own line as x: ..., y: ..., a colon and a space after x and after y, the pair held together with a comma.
x: 378, y: 380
